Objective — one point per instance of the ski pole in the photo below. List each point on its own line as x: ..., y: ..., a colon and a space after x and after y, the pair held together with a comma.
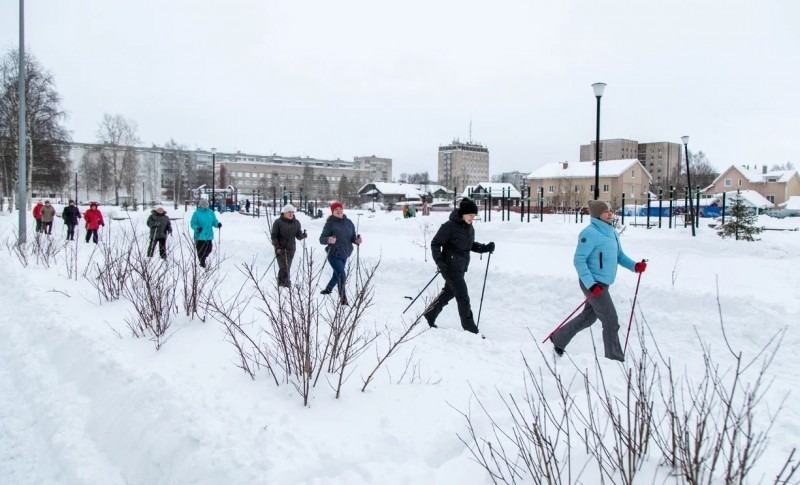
x: 568, y: 317
x: 485, y: 274
x: 422, y: 291
x: 630, y: 320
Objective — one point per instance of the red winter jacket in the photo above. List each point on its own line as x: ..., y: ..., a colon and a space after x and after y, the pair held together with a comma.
x: 93, y: 218
x: 37, y: 211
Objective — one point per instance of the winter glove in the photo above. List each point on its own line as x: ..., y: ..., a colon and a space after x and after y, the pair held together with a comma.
x: 199, y: 230
x: 219, y: 224
x: 488, y: 248
x: 640, y: 267
x: 102, y: 223
x: 596, y: 290
x: 442, y: 266
x: 304, y: 235
x: 358, y: 240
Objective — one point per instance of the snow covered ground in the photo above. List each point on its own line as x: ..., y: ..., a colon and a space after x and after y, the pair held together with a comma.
x: 84, y: 402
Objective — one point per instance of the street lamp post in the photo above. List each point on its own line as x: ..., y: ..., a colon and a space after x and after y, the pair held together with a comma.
x: 685, y: 140
x: 213, y: 175
x: 598, y: 93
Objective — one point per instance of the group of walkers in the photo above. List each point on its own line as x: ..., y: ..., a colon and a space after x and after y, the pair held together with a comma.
x: 597, y: 255
x: 44, y: 214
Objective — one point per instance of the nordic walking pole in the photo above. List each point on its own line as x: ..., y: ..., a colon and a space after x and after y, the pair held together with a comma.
x: 485, y: 274
x: 422, y: 291
x: 630, y: 320
x: 568, y: 317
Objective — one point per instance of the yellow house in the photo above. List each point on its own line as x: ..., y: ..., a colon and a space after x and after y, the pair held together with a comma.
x: 571, y: 184
x: 775, y: 186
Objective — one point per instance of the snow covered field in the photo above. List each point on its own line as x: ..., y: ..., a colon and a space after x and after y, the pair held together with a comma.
x: 83, y: 402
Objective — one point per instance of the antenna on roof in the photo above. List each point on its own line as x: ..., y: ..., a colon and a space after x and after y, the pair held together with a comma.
x: 470, y: 130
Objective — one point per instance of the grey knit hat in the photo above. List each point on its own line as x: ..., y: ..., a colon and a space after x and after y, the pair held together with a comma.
x: 597, y: 207
x: 203, y: 203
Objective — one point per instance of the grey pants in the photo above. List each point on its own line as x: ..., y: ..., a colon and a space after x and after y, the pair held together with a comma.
x: 601, y: 307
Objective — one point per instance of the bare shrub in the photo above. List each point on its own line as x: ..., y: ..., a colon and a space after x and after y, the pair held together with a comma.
x: 151, y: 288
x: 304, y: 336
x: 194, y: 283
x: 111, y: 273
x: 706, y: 430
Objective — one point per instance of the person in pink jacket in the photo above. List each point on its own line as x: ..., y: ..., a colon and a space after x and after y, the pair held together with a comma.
x: 94, y: 220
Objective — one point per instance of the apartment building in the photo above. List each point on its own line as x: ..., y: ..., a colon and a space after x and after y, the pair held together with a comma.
x: 662, y: 159
x: 463, y: 163
x: 169, y: 173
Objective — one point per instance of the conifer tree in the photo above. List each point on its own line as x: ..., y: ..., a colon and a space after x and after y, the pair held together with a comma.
x: 742, y: 224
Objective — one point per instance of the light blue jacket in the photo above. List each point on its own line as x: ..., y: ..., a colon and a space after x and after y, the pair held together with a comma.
x: 598, y: 254
x: 204, y: 219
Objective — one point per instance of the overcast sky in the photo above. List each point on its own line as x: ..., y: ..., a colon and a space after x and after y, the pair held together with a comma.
x: 344, y: 78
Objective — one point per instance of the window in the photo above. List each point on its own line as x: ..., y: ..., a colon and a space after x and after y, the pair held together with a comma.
x: 633, y: 173
x: 591, y: 188
x: 771, y: 198
x: 577, y: 188
x: 605, y: 188
x: 728, y: 182
x: 551, y: 189
x: 740, y: 182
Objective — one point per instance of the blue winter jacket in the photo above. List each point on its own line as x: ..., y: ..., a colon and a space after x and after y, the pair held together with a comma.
x: 205, y: 220
x: 598, y: 254
x: 345, y: 233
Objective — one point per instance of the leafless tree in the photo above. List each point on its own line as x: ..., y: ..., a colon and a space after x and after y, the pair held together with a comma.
x: 47, y: 137
x: 117, y: 135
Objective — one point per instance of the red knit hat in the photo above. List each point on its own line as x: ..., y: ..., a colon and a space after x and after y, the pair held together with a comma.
x: 336, y: 205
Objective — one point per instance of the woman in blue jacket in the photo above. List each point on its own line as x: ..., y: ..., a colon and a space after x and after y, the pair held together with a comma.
x: 339, y: 235
x: 596, y: 259
x: 203, y: 223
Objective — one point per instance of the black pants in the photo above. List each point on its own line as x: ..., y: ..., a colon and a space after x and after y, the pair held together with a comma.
x: 91, y: 233
x: 454, y: 287
x: 284, y: 267
x: 38, y: 225
x: 203, y: 250
x: 70, y: 232
x: 162, y: 247
x: 47, y: 227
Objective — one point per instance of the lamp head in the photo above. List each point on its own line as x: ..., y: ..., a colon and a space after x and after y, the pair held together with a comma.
x: 598, y: 89
x: 685, y: 139
x: 213, y: 150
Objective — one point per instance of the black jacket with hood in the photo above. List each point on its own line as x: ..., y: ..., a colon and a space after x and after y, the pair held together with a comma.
x: 453, y: 242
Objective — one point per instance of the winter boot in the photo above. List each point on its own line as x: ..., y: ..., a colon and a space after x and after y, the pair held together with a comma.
x: 326, y: 291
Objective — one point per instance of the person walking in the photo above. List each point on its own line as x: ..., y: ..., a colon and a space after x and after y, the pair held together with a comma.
x: 339, y: 235
x: 203, y: 223
x: 160, y: 226
x: 247, y: 205
x: 94, y: 221
x: 70, y: 216
x: 286, y: 231
x: 450, y: 248
x: 596, y: 258
x: 48, y: 213
x: 37, y: 215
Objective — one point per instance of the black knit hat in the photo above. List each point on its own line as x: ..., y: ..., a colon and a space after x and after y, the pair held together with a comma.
x: 467, y: 206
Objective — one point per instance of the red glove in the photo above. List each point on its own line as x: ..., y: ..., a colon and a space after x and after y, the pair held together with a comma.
x: 640, y: 267
x: 596, y: 290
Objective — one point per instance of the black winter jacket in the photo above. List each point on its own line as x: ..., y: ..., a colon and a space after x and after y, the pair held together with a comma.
x: 285, y: 232
x: 345, y: 233
x: 453, y: 242
x: 159, y: 225
x: 70, y: 215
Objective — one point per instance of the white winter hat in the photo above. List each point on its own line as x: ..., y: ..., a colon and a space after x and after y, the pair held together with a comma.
x: 288, y: 208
